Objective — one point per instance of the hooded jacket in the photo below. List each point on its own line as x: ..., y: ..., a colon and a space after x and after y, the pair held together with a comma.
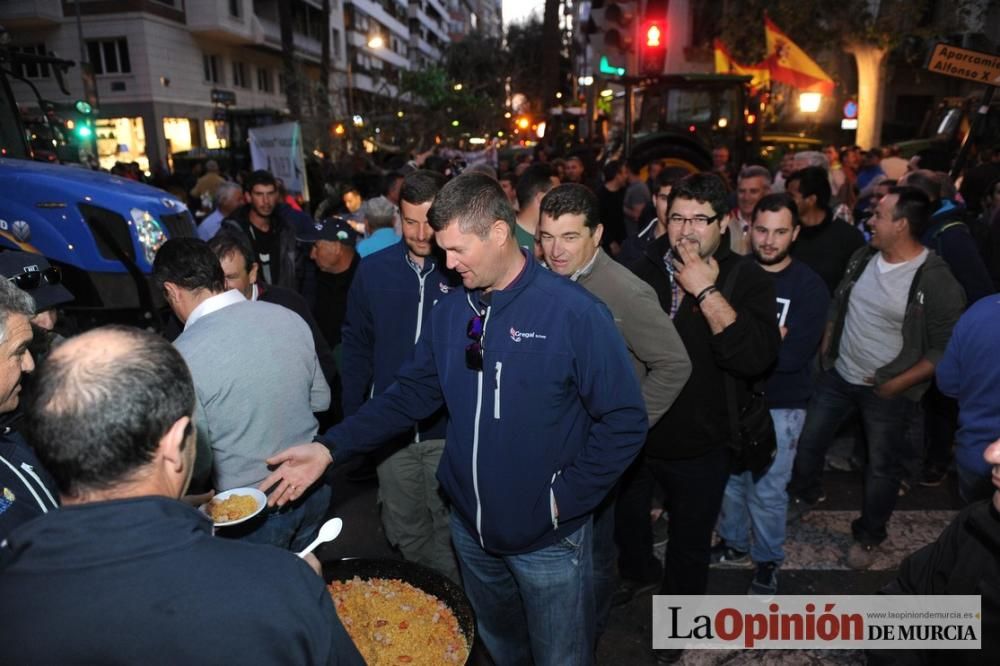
x: 698, y: 421
x: 549, y: 424
x: 933, y: 307
x: 389, y: 301
x: 951, y: 238
x: 143, y: 581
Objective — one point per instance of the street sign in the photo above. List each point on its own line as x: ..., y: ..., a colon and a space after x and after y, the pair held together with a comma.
x: 850, y: 110
x: 227, y: 97
x: 965, y: 64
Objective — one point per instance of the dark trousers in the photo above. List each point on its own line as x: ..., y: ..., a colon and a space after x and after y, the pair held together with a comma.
x: 940, y: 424
x: 633, y: 531
x: 884, y: 421
x: 693, y: 491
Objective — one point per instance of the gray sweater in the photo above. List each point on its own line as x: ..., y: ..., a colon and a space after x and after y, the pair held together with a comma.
x: 659, y: 358
x: 257, y: 381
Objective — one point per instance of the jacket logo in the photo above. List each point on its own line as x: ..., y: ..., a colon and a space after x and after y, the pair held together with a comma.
x: 517, y: 335
x: 443, y: 287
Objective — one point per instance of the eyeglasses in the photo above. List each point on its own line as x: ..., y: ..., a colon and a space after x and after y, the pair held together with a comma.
x: 697, y: 222
x: 31, y: 279
x: 474, y: 352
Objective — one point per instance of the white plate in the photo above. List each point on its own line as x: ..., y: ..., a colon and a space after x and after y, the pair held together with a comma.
x: 258, y: 496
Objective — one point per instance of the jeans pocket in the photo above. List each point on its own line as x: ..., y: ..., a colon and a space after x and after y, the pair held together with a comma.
x: 574, y: 541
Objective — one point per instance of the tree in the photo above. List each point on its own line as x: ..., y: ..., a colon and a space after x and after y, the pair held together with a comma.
x: 868, y: 30
x: 529, y: 49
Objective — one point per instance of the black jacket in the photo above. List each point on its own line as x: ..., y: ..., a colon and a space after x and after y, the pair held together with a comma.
x: 965, y: 559
x: 283, y: 222
x: 290, y: 299
x: 698, y: 421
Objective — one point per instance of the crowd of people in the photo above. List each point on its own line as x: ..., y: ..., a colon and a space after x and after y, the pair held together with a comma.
x: 540, y: 362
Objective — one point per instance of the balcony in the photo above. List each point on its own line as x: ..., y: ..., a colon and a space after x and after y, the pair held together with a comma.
x: 268, y: 33
x: 27, y: 15
x: 211, y: 20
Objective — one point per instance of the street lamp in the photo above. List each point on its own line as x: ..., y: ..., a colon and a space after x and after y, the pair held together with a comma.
x: 809, y: 102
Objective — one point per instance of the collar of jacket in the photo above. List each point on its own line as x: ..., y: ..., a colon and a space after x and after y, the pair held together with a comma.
x: 500, y: 298
x: 588, y: 268
x: 430, y: 261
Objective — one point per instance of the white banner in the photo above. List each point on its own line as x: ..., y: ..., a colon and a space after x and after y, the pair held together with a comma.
x: 784, y: 622
x: 278, y: 149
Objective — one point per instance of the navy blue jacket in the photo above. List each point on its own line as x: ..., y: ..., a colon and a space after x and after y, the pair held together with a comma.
x: 143, y: 581
x: 389, y: 301
x: 557, y: 410
x: 26, y: 490
x: 953, y: 241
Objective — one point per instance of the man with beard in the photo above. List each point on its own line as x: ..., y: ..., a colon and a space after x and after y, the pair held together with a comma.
x: 269, y: 227
x: 689, y: 451
x: 390, y: 298
x: 759, y: 507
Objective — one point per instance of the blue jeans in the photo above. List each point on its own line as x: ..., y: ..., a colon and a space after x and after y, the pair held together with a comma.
x: 292, y: 527
x: 534, y: 607
x: 884, y: 422
x: 762, y: 506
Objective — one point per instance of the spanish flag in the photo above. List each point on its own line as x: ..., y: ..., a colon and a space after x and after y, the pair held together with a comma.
x: 790, y: 64
x: 724, y: 64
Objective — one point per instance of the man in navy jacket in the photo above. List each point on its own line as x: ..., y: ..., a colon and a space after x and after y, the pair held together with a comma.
x: 391, y: 297
x: 544, y: 414
x: 124, y: 572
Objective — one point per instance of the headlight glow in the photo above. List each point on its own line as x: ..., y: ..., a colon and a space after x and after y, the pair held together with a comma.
x: 149, y: 232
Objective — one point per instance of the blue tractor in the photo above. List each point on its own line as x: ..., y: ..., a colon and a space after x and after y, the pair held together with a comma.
x: 101, y: 230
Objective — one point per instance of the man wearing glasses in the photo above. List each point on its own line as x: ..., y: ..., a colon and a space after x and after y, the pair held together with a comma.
x: 735, y: 334
x: 545, y: 413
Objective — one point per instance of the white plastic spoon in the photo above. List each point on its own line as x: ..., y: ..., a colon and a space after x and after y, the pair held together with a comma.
x: 329, y: 532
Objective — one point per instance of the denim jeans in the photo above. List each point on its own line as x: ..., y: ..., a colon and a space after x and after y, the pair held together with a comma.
x: 413, y: 512
x: 884, y: 422
x: 534, y: 607
x: 292, y: 527
x: 693, y: 490
x: 762, y: 506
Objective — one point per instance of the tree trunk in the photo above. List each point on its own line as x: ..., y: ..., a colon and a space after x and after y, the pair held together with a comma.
x: 288, y: 60
x: 551, y: 46
x: 871, y: 62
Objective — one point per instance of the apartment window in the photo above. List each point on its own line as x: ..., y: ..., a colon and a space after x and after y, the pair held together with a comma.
x: 335, y: 44
x: 265, y: 82
x: 240, y: 79
x: 213, y: 68
x: 109, y: 56
x: 33, y: 70
x: 236, y: 8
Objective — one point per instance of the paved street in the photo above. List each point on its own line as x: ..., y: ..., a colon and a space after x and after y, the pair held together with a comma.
x: 815, y: 564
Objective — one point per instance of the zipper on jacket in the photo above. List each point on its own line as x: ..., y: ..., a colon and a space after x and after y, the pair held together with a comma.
x: 475, y: 433
x: 27, y: 485
x: 420, y: 324
x: 496, y: 394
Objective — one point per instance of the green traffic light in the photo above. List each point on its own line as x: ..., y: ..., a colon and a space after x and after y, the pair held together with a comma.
x: 84, y: 132
x: 83, y: 107
x: 608, y: 68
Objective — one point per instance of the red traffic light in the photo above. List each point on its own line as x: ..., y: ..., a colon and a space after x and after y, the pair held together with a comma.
x: 653, y: 54
x: 653, y: 35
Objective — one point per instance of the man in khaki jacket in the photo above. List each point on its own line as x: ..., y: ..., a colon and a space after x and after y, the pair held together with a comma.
x: 570, y: 234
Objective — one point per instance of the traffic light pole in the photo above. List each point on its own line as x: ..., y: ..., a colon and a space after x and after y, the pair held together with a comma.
x: 628, y: 118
